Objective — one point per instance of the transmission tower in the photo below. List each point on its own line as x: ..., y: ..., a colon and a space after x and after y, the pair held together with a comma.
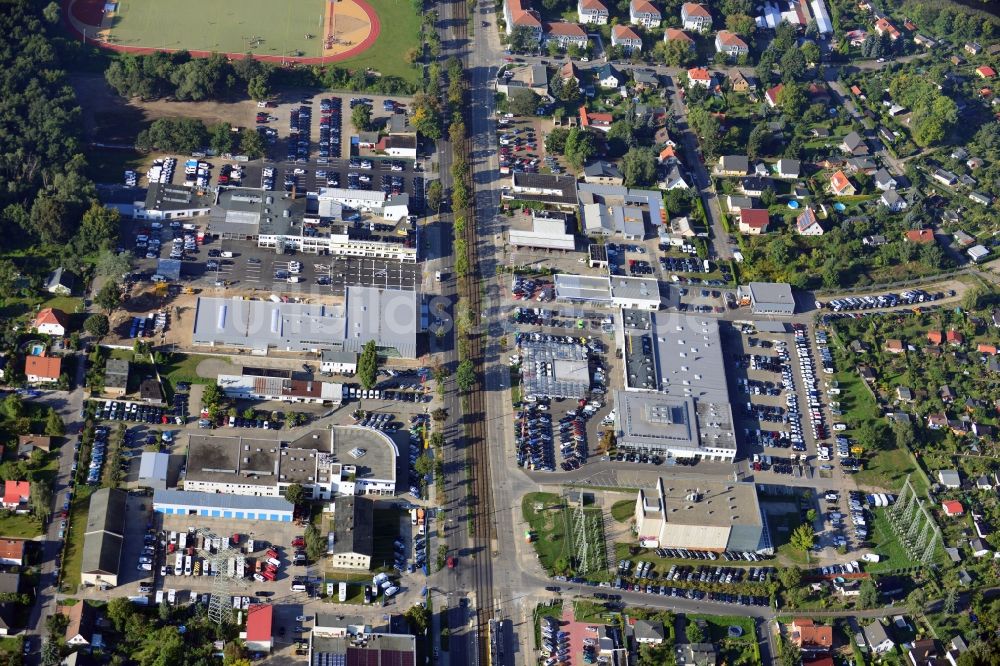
x: 581, y: 540
x: 225, y: 577
x: 914, y: 525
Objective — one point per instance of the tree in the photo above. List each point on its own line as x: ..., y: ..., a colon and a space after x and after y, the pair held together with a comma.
x: 580, y: 147
x: 113, y: 264
x: 676, y: 53
x: 96, y: 325
x: 220, y: 138
x: 811, y: 516
x: 427, y: 113
x: 109, y: 296
x: 424, y: 464
x: 259, y: 88
x: 694, y: 632
x: 570, y: 92
x: 361, y: 117
x: 440, y: 414
x: 419, y: 617
x: 234, y: 652
x: 707, y: 127
x: 868, y: 597
x: 523, y: 39
x: 522, y: 102
x: 790, y: 577
x: 793, y: 64
x: 252, y: 145
x: 435, y: 195
x: 811, y: 52
x: 315, y: 544
x: 118, y: 611
x: 950, y: 601
x: 54, y: 426
x: 741, y: 24
x: 555, y: 142
x: 465, y: 375
x: 757, y: 139
x: 368, y: 365
x: 98, y: 229
x: 792, y: 99
x: 802, y: 537
x: 40, y: 500
x: 639, y: 167
x: 295, y: 494
x: 915, y: 601
x: 790, y: 654
x: 184, y: 135
x: 52, y: 13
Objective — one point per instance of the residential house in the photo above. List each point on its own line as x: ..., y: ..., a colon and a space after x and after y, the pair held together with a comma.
x: 51, y: 322
x: 977, y: 253
x: 958, y: 646
x: 980, y: 198
x: 985, y: 72
x: 31, y: 442
x: 863, y: 164
x: 12, y: 551
x: 603, y: 173
x: 60, y: 282
x: 642, y: 12
x: 806, y: 223
x: 569, y: 71
x: 979, y: 548
x: 944, y: 177
x: 591, y: 12
x: 875, y: 240
x: 609, y: 78
x: 788, y: 168
x: 891, y: 200
x: 924, y: 41
x: 695, y: 654
x: 952, y: 508
x: 884, y: 180
x: 935, y: 337
x: 972, y: 48
x: 949, y: 478
x: 904, y: 394
x: 627, y: 38
x: 754, y: 221
x: 730, y: 43
x: 894, y: 346
x: 667, y: 156
x: 877, y: 638
x: 696, y: 17
x: 42, y: 369
x: 853, y: 144
x: 920, y: 236
x: 856, y: 38
x: 754, y: 186
x: 954, y: 337
x: 644, y: 79
x: 946, y: 394
x: 741, y: 82
x: 565, y: 34
x: 883, y: 26
x: 82, y: 619
x: 676, y: 35
x: 647, y: 632
x: 984, y: 348
x: 699, y: 76
x: 735, y: 203
x: 519, y: 14
x: 733, y: 165
x: 809, y: 637
x: 924, y: 652
x: 116, y: 372
x: 937, y: 420
x: 16, y: 495
x: 674, y: 179
x: 841, y: 185
x: 597, y: 121
x: 771, y: 96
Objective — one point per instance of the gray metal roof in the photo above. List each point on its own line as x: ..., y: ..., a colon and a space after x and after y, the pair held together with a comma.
x: 390, y: 317
x: 776, y: 293
x: 235, y: 322
x: 102, y: 540
x: 219, y: 501
x: 154, y: 466
x: 569, y: 376
x: 582, y: 288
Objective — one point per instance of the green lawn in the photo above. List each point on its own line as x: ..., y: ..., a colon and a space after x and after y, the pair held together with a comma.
x: 182, y: 368
x: 623, y: 510
x: 734, y: 650
x: 73, y: 555
x: 549, y: 526
x: 893, y: 555
x: 22, y: 526
x: 400, y: 32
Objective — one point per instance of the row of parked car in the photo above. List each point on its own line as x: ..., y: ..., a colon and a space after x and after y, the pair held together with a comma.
x: 119, y: 410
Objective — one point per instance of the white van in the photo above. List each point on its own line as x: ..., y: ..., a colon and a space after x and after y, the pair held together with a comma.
x: 437, y: 276
x: 227, y: 254
x: 294, y: 279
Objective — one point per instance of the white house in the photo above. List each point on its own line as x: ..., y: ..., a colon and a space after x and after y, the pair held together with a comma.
x: 50, y: 322
x: 338, y: 362
x: 730, y: 44
x: 565, y: 34
x: 696, y: 17
x: 642, y: 12
x: 627, y: 38
x: 608, y: 77
x: 591, y: 11
x: 806, y: 224
x: 699, y: 76
x: 877, y: 638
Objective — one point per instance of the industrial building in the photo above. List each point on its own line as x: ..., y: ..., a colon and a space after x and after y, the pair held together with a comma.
x: 554, y: 369
x: 614, y: 209
x: 548, y: 232
x: 676, y: 399
x: 278, y: 385
x: 559, y: 191
x: 216, y: 505
x: 615, y: 291
x: 344, y: 460
x: 353, y: 536
x: 169, y: 202
x: 772, y: 298
x: 348, y: 640
x: 704, y: 516
x: 103, y: 538
x: 393, y: 318
x: 153, y: 470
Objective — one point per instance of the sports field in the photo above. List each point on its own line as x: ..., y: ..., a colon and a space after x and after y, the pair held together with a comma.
x: 264, y: 27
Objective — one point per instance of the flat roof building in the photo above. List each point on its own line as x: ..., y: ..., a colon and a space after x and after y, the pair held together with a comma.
x: 278, y: 385
x: 618, y: 291
x: 217, y: 505
x: 702, y: 515
x: 544, y: 188
x: 774, y: 298
x: 116, y: 372
x: 556, y: 370
x: 674, y: 426
x: 548, y: 231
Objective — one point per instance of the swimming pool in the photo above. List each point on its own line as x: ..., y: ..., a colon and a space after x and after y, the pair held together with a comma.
x: 37, y: 349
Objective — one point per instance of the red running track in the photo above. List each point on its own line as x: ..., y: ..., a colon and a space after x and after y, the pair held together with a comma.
x: 91, y: 13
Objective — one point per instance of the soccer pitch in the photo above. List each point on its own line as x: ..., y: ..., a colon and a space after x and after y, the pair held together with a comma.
x: 262, y: 27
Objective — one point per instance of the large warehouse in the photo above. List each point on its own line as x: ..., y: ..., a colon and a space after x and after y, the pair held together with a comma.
x: 391, y: 317
x: 103, y: 538
x: 676, y: 399
x: 217, y: 505
x: 703, y: 516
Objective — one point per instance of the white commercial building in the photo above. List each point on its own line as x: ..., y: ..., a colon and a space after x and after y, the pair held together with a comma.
x: 616, y: 291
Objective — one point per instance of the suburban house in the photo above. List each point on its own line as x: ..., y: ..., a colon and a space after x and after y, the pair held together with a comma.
x: 42, y: 369
x: 980, y: 198
x: 754, y: 186
x: 771, y: 96
x: 841, y: 185
x: 733, y: 165
x: 952, y: 508
x: 602, y: 172
x: 735, y: 203
x: 667, y: 156
x: 50, y: 322
x: 695, y: 654
x: 399, y: 145
x: 891, y: 200
x: 642, y: 12
x: 977, y: 253
x: 696, y: 17
x: 950, y: 479
x: 788, y: 168
x: 16, y: 495
x: 31, y: 442
x: 116, y: 372
x: 12, y: 551
x: 60, y: 282
x: 882, y: 26
x: 920, y: 236
x: 674, y: 180
x: 863, y: 164
x: 809, y: 637
x: 853, y: 144
x: 569, y: 71
x: 754, y: 221
x: 699, y: 76
x: 591, y: 11
x: 884, y: 180
x: 806, y: 223
x: 565, y: 34
x: 608, y: 77
x: 935, y: 337
x: 80, y: 629
x: 260, y: 619
x: 944, y: 177
x: 598, y: 121
x: 742, y: 83
x: 647, y: 632
x: 925, y: 652
x: 675, y: 35
x: 876, y: 637
x: 894, y: 346
x: 626, y: 37
x: 985, y: 72
x: 730, y: 44
x: 519, y: 14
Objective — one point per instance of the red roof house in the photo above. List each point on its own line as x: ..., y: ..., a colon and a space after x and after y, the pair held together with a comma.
x: 922, y: 236
x: 985, y: 72
x: 935, y: 337
x: 16, y: 495
x: 259, y: 625
x: 12, y: 551
x: 952, y: 508
x: 51, y: 322
x: 954, y: 337
x: 754, y: 221
x: 41, y: 369
x: 772, y: 95
x: 984, y: 348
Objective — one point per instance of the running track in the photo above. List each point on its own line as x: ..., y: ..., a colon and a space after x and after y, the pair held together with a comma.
x: 89, y: 13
